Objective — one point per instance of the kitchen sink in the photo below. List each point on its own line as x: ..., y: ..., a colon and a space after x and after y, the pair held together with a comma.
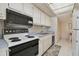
x: 41, y: 34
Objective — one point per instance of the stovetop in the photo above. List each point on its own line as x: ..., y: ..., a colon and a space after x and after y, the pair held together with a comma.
x: 15, y: 39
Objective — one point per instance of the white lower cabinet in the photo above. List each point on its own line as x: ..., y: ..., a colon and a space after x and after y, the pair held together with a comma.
x: 4, y: 52
x: 44, y: 43
x: 41, y: 47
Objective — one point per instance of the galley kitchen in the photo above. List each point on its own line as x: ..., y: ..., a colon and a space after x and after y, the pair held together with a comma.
x: 25, y: 29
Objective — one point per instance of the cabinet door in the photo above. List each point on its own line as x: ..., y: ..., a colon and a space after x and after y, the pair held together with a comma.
x: 36, y: 16
x: 42, y: 16
x: 28, y: 9
x: 46, y: 43
x: 16, y: 6
x: 2, y: 52
x: 41, y: 47
x: 48, y: 20
x: 3, y: 7
x: 50, y: 41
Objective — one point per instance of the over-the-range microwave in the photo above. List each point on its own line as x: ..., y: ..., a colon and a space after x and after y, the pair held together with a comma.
x: 17, y: 20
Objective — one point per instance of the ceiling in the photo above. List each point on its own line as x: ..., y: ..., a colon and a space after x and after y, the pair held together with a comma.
x: 45, y: 8
x: 62, y: 10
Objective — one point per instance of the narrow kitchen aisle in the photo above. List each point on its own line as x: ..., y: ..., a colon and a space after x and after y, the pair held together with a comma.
x: 65, y: 35
x: 66, y: 48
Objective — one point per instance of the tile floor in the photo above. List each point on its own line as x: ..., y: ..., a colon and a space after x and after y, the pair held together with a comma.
x: 53, y: 51
x: 66, y: 48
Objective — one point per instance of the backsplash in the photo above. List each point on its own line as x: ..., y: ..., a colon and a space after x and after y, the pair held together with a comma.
x: 38, y: 29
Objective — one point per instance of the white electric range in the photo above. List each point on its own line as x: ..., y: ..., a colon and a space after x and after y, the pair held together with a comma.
x: 16, y: 39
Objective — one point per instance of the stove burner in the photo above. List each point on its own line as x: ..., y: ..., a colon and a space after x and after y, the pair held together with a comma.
x: 29, y: 36
x: 14, y: 39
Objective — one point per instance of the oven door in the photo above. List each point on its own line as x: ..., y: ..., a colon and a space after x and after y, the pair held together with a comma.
x: 25, y: 49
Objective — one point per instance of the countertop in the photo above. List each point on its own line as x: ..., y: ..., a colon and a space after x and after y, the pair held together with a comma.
x: 24, y: 39
x: 3, y: 43
x: 42, y: 35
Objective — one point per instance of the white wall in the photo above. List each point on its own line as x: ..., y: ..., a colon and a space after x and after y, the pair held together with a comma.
x: 65, y: 27
x: 35, y: 29
x: 55, y: 27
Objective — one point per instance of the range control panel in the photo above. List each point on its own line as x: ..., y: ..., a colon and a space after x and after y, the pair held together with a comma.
x: 14, y: 31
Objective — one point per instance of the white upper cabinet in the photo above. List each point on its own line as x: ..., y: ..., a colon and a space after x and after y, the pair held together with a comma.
x: 28, y: 9
x: 39, y: 17
x: 3, y: 7
x: 36, y: 16
x: 16, y: 6
x: 42, y: 16
x: 48, y: 20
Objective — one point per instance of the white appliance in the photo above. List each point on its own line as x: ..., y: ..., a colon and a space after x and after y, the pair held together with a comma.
x: 75, y: 33
x: 18, y: 38
x: 22, y: 44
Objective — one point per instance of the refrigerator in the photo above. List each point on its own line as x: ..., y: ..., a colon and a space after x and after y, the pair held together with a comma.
x: 75, y: 33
